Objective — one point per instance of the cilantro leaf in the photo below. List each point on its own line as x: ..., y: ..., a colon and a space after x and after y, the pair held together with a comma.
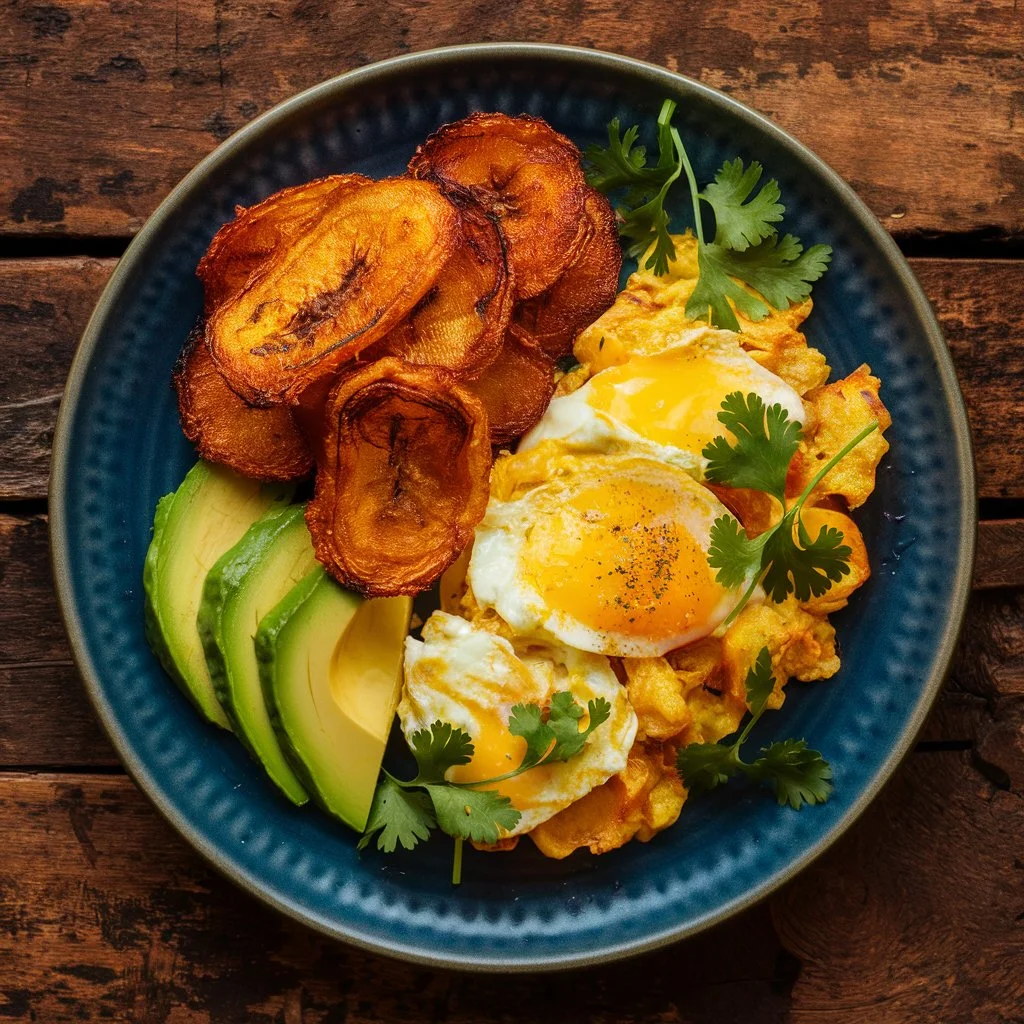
x: 439, y: 748
x: 708, y: 301
x: 527, y: 721
x: 766, y: 441
x: 559, y: 737
x: 759, y: 685
x: 563, y: 721
x: 779, y: 269
x: 399, y: 815
x: 732, y: 553
x: 643, y: 219
x: 784, y: 558
x: 705, y: 766
x: 405, y: 812
x: 645, y: 226
x: 474, y: 814
x: 746, y: 251
x: 739, y: 221
x: 797, y: 774
x: 622, y: 164
x: 808, y: 568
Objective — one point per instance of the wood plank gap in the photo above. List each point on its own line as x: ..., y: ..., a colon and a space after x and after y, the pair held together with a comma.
x: 1000, y: 508
x: 24, y: 507
x: 20, y: 247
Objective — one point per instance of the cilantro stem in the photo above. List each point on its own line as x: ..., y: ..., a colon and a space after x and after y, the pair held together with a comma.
x: 691, y: 178
x: 793, y: 514
x: 747, y: 594
x: 457, y: 863
x: 833, y: 462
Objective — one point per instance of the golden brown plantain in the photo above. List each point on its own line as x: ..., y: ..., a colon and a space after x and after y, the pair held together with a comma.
x: 526, y: 174
x: 516, y: 388
x: 352, y: 275
x: 262, y: 443
x: 586, y: 289
x: 460, y: 323
x: 402, y: 479
x: 241, y: 246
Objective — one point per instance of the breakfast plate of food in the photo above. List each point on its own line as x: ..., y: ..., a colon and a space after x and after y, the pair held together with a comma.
x: 512, y: 507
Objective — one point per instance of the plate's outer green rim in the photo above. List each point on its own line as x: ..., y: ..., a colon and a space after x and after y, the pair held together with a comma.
x: 596, y: 61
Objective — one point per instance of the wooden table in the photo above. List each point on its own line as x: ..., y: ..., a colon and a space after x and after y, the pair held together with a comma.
x: 916, y: 916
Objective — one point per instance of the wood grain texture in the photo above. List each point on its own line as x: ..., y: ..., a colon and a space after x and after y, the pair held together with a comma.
x: 916, y: 914
x: 44, y: 306
x: 45, y: 717
x: 104, y: 106
x: 977, y: 307
x: 45, y: 303
x: 1000, y: 556
x: 105, y: 912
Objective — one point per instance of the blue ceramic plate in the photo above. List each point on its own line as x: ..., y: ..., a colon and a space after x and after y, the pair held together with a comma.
x: 118, y: 448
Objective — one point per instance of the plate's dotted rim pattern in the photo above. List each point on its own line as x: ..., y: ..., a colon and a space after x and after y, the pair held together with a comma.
x: 120, y: 449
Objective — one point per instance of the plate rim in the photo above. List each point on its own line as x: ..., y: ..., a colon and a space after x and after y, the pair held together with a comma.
x: 134, y: 254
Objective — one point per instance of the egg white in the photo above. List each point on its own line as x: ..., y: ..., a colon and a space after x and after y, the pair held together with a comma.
x: 466, y: 676
x: 504, y: 573
x: 575, y: 420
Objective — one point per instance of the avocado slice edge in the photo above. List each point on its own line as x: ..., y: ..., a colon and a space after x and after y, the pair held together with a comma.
x: 330, y: 664
x: 192, y: 527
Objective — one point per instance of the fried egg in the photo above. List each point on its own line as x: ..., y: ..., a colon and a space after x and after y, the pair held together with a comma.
x: 471, y: 678
x: 663, y: 401
x: 605, y: 553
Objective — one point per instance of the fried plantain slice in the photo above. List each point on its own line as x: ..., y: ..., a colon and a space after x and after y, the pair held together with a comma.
x: 516, y: 388
x: 460, y: 323
x: 586, y: 289
x: 403, y: 477
x: 349, y: 278
x: 262, y: 443
x: 241, y: 246
x: 525, y: 173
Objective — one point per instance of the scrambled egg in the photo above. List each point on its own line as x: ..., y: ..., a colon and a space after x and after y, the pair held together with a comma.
x: 647, y: 391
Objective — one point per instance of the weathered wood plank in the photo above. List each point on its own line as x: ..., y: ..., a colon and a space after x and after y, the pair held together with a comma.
x: 986, y: 337
x: 45, y: 303
x: 104, y: 911
x: 44, y: 306
x: 916, y: 914
x: 1000, y: 556
x: 45, y: 718
x: 103, y: 107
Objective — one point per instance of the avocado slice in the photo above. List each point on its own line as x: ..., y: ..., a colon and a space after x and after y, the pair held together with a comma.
x: 331, y: 666
x: 246, y: 583
x: 192, y: 528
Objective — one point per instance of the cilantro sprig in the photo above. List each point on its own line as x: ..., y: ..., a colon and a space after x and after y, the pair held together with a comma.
x: 404, y: 813
x: 623, y: 166
x: 797, y: 774
x: 745, y: 247
x: 785, y: 559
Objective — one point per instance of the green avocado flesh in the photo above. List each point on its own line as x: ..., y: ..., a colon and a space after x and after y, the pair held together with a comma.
x: 192, y: 528
x: 331, y: 667
x: 246, y: 583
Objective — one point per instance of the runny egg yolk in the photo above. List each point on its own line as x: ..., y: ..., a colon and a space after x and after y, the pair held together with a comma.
x: 671, y: 398
x: 616, y: 557
x: 495, y: 752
